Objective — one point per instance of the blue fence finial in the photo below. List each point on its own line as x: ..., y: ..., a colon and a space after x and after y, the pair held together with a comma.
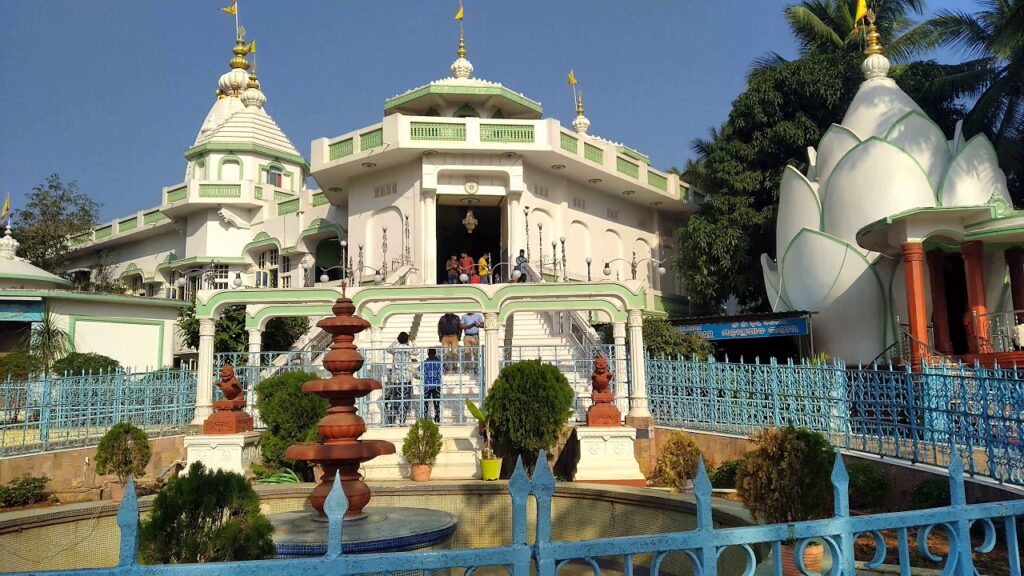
x: 957, y: 495
x: 335, y: 507
x: 840, y: 486
x: 702, y: 492
x: 128, y: 522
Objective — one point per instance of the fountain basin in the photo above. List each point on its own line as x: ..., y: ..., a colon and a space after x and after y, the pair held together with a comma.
x: 302, y: 533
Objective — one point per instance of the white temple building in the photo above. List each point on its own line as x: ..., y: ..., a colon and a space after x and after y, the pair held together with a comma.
x: 458, y: 164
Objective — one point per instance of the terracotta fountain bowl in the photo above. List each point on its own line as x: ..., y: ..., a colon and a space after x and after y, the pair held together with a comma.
x: 350, y: 451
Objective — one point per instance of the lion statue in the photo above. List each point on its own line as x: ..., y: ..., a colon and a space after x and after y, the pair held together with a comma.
x: 228, y: 383
x: 602, y: 377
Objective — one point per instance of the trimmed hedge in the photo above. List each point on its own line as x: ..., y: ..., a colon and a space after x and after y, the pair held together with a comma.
x: 291, y: 417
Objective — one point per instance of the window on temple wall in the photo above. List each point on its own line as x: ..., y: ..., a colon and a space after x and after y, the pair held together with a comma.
x: 219, y: 281
x: 267, y: 264
x: 274, y: 176
x: 136, y: 286
x: 230, y: 169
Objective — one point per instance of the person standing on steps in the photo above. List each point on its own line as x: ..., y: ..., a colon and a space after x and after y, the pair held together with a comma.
x: 432, y: 371
x: 483, y: 268
x: 452, y: 268
x: 521, y: 265
x: 449, y: 331
x: 399, y: 389
x: 471, y: 323
x: 466, y: 266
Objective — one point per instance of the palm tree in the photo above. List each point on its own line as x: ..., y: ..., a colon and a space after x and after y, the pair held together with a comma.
x: 48, y: 341
x: 994, y: 36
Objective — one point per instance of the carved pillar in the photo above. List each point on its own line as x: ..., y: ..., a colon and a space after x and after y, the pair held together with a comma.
x: 492, y: 348
x: 621, y: 379
x: 978, y: 340
x: 940, y: 311
x: 913, y: 267
x: 1015, y: 261
x: 638, y: 385
x: 204, y: 378
x: 429, y: 237
x: 255, y: 345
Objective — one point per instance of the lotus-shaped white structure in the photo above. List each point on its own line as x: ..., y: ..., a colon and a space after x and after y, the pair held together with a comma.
x: 884, y: 178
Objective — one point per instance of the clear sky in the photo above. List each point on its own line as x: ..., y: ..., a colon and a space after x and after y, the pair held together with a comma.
x: 111, y: 93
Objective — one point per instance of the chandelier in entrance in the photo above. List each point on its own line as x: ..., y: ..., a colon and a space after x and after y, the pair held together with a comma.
x: 469, y: 221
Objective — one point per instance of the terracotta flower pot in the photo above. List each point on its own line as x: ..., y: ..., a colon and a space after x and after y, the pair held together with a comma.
x: 813, y: 554
x: 116, y: 491
x: 420, y: 472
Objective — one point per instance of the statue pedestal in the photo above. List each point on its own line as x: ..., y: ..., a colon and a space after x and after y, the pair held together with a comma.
x: 606, y: 456
x: 228, y: 452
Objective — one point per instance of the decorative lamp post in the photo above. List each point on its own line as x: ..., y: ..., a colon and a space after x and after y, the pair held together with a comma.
x: 526, y: 219
x: 589, y: 262
x: 237, y: 282
x: 540, y: 245
x: 634, y: 264
x: 345, y: 259
x: 565, y: 269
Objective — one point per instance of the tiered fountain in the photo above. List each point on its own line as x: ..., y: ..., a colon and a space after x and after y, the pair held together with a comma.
x: 305, y: 533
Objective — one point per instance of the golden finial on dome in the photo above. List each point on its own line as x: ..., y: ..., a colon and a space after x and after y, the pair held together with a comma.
x: 579, y: 103
x: 239, y: 60
x: 254, y: 82
x: 462, y: 44
x: 219, y: 94
x: 873, y: 37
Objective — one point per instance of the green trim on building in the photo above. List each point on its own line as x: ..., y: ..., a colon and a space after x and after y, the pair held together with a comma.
x: 176, y: 195
x: 128, y: 224
x: 289, y: 207
x: 507, y: 133
x: 371, y: 139
x: 82, y: 238
x: 593, y: 153
x: 340, y: 149
x: 230, y: 158
x: 624, y: 166
x: 74, y: 319
x: 246, y: 147
x: 264, y: 169
x: 627, y: 151
x: 34, y: 278
x: 321, y: 225
x: 319, y: 199
x: 104, y: 232
x: 154, y: 217
x: 657, y: 180
x: 262, y: 240
x: 131, y: 270
x: 569, y: 143
x: 464, y: 91
x: 257, y: 192
x: 279, y: 195
x: 254, y: 321
x: 92, y: 297
x: 220, y: 190
x: 438, y: 131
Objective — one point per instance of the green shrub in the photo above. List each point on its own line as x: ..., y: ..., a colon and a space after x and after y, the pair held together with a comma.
x: 87, y: 362
x: 788, y: 477
x: 206, y: 516
x: 422, y: 443
x: 868, y: 485
x: 291, y: 417
x: 677, y: 461
x: 930, y: 493
x: 725, y: 475
x: 529, y: 403
x: 24, y: 491
x: 662, y: 340
x: 124, y: 451
x: 18, y: 366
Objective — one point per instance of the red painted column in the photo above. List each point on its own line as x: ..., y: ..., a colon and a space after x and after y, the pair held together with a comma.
x: 940, y: 312
x: 913, y: 267
x: 978, y: 338
x: 1015, y: 260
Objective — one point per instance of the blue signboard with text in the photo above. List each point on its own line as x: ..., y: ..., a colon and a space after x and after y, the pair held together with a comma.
x: 748, y: 329
x: 21, y: 310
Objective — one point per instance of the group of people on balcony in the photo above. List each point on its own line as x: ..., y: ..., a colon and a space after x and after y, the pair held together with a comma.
x: 463, y: 269
x: 405, y: 366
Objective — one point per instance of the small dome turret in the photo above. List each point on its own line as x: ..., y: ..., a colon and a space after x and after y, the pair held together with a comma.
x: 253, y: 96
x: 462, y: 68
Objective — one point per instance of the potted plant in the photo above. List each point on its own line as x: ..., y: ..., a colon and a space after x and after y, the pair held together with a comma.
x: 786, y: 479
x: 490, y: 465
x: 421, y: 447
x: 124, y: 452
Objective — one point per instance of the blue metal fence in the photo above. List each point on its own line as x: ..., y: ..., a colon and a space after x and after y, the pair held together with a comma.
x: 72, y: 411
x: 920, y: 417
x: 704, y: 549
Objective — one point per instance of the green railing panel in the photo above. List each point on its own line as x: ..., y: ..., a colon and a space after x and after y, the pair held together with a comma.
x: 657, y: 180
x: 682, y: 191
x: 437, y: 131
x: 639, y: 157
x: 127, y: 224
x: 177, y: 195
x: 104, y: 232
x: 593, y: 153
x: 154, y: 217
x: 319, y: 199
x: 506, y: 133
x: 257, y: 192
x: 569, y: 144
x: 278, y: 195
x: 371, y: 139
x: 289, y: 207
x: 220, y: 190
x: 81, y: 238
x: 626, y: 167
x: 339, y: 149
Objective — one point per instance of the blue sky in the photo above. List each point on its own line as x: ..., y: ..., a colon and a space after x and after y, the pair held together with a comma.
x: 111, y: 93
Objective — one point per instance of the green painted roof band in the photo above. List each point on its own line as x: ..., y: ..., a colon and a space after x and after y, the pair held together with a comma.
x: 463, y: 90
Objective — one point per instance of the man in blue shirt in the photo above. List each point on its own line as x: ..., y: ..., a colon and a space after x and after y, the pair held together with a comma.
x: 471, y: 324
x: 432, y: 370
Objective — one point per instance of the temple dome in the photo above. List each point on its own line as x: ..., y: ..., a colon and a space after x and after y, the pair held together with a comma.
x: 18, y: 273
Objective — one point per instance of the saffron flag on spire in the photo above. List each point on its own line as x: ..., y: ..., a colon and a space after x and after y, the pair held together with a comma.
x: 233, y: 9
x: 459, y: 14
x: 251, y: 48
x: 862, y: 12
x: 572, y: 78
x: 7, y: 207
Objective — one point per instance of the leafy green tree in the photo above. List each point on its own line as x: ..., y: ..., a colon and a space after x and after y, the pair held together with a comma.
x: 825, y: 26
x: 85, y: 362
x: 53, y: 212
x: 662, y: 340
x: 206, y: 516
x: 291, y: 417
x: 101, y: 277
x: 18, y: 366
x: 231, y: 335
x: 993, y: 79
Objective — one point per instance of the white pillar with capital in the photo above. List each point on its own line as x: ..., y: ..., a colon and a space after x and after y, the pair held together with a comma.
x: 621, y: 378
x: 204, y: 378
x: 255, y: 347
x: 492, y: 349
x: 638, y: 384
x: 429, y: 272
